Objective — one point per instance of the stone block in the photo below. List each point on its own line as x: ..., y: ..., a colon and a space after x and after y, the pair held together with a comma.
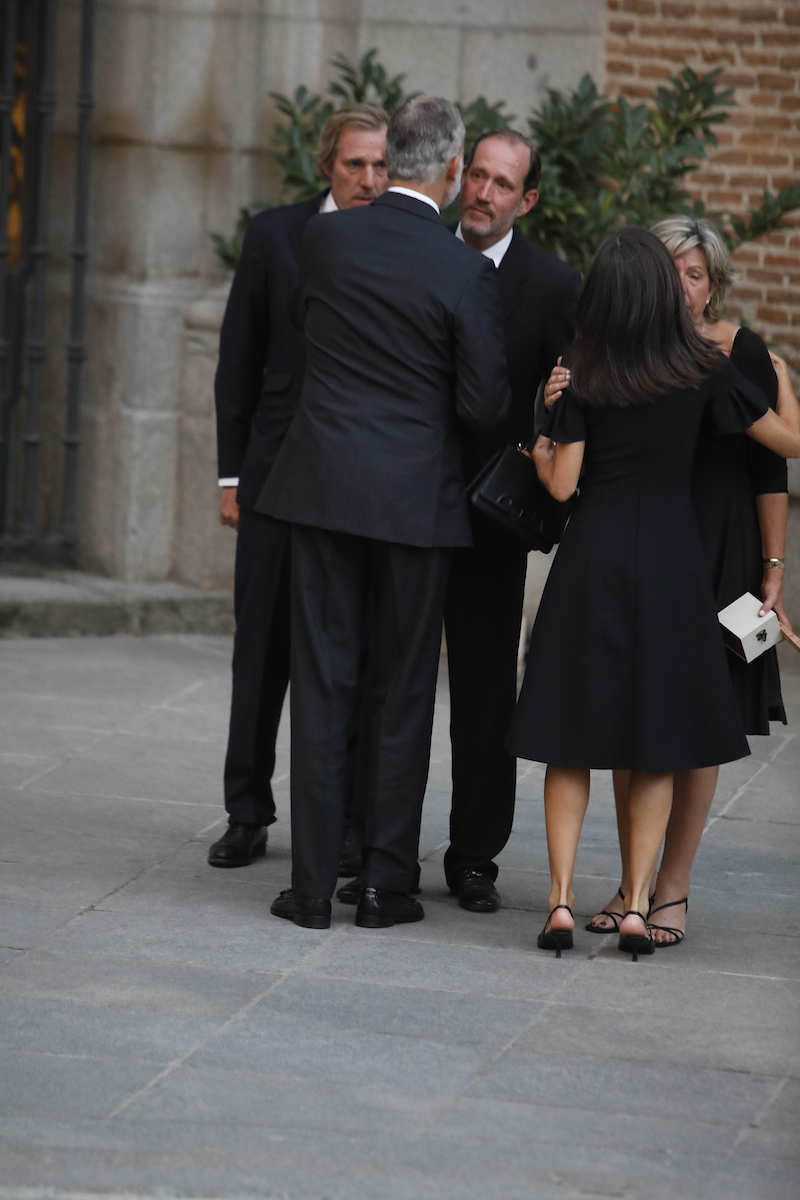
x: 295, y: 52
x: 123, y: 203
x: 532, y: 62
x: 234, y: 181
x: 178, y: 243
x: 429, y: 57
x: 133, y: 387
x: 146, y: 209
x: 501, y: 15
x: 204, y: 549
x: 313, y: 10
x: 124, y: 83
x: 206, y: 79
x: 147, y: 485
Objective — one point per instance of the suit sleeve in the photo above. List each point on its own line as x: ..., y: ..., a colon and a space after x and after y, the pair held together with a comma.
x: 242, y: 353
x: 483, y: 394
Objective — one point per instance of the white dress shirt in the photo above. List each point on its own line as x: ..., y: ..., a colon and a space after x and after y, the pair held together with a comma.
x: 496, y: 252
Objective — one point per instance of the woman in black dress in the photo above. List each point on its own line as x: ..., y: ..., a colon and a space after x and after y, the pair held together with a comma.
x: 741, y: 501
x: 627, y: 668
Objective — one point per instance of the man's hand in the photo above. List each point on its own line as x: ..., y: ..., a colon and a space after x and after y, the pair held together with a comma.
x: 559, y: 379
x: 229, y: 508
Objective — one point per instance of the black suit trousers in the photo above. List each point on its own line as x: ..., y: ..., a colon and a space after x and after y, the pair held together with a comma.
x: 348, y: 591
x: 483, y: 614
x: 260, y: 665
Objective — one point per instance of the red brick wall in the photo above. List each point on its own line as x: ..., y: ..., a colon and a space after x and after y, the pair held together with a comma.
x: 758, y: 44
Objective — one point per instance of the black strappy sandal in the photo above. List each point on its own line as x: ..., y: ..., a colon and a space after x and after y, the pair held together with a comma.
x: 677, y: 934
x: 556, y: 939
x: 637, y: 943
x: 615, y: 917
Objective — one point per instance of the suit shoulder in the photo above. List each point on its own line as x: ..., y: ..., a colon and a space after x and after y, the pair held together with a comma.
x: 545, y: 265
x: 272, y: 222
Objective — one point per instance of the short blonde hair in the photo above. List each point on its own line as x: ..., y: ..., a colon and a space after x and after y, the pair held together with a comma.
x: 681, y: 234
x: 362, y: 116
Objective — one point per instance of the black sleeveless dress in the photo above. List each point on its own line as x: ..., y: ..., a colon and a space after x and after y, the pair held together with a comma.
x: 626, y: 666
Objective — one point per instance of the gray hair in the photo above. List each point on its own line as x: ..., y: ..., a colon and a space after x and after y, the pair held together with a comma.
x: 681, y: 234
x: 423, y: 135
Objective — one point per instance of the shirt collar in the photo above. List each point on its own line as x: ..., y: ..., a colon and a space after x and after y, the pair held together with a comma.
x: 404, y: 191
x: 329, y: 204
x: 496, y: 252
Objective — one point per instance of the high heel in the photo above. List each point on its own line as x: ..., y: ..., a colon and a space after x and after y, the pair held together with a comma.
x: 556, y: 939
x: 677, y: 935
x: 615, y: 917
x: 636, y: 943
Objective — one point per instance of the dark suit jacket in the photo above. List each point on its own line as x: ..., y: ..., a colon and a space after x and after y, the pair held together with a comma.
x: 540, y: 295
x: 404, y: 336
x: 261, y: 352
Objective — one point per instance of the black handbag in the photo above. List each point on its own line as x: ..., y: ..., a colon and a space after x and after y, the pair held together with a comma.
x: 508, y: 490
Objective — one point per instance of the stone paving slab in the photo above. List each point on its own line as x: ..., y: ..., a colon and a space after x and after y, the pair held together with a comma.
x: 162, y: 1036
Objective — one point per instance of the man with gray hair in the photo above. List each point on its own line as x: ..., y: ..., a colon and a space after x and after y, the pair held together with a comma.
x: 404, y: 337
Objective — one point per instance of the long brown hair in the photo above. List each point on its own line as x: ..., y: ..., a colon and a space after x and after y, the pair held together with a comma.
x: 634, y: 337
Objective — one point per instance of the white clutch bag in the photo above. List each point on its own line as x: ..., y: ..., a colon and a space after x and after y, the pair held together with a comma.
x: 747, y: 634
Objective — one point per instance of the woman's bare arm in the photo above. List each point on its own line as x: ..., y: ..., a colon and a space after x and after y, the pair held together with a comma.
x: 773, y: 432
x: 559, y: 465
x: 772, y: 509
x: 788, y: 408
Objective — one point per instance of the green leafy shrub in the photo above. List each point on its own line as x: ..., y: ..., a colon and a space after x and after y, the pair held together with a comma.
x: 605, y: 163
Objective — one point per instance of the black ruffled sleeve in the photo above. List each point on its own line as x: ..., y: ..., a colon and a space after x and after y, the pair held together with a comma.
x: 767, y: 471
x: 734, y: 404
x: 565, y: 422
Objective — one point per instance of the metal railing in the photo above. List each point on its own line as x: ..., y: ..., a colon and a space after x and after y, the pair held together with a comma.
x: 27, y: 102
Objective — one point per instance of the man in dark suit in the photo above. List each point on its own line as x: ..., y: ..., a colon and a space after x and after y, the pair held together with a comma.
x: 260, y: 371
x: 483, y: 610
x: 404, y: 338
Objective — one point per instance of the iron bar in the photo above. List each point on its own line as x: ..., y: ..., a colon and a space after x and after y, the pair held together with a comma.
x: 35, y: 341
x: 76, y: 344
x: 6, y: 117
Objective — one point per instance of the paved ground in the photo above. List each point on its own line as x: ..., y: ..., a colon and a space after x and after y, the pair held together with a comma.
x: 161, y: 1035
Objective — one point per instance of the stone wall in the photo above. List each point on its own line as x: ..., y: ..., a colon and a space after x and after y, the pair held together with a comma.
x: 181, y: 132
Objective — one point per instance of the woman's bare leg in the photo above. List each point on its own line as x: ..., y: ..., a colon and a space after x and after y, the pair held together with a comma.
x: 693, y: 794
x: 601, y: 920
x: 566, y: 795
x: 649, y: 804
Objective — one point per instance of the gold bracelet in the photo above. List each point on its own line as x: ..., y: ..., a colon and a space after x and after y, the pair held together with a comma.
x: 773, y: 562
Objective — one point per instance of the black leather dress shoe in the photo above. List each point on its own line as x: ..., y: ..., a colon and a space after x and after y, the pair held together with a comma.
x: 238, y: 846
x: 308, y: 911
x: 475, y: 890
x: 377, y: 909
x: 350, y: 893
